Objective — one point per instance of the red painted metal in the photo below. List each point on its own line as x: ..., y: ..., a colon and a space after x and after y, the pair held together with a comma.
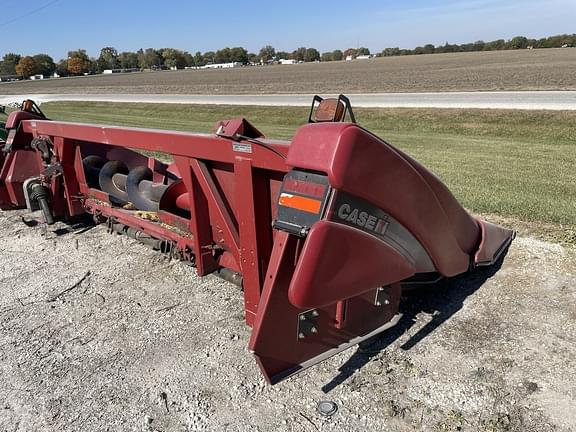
x: 17, y: 167
x: 279, y: 349
x: 361, y: 164
x: 493, y: 240
x: 322, y: 261
x: 323, y: 273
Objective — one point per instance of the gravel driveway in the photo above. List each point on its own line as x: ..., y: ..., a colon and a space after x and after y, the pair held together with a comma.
x: 99, y: 333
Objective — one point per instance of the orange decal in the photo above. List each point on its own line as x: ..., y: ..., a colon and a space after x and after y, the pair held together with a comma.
x: 300, y: 203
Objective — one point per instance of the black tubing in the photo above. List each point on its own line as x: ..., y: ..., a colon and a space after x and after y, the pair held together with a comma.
x: 140, y: 236
x: 147, y: 197
x: 112, y: 183
x: 92, y: 165
x: 229, y: 276
x: 40, y: 194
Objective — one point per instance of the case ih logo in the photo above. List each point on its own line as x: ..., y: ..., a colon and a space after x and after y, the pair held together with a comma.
x: 362, y: 219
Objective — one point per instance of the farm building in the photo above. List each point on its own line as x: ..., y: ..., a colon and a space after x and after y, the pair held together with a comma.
x: 222, y: 65
x: 114, y: 71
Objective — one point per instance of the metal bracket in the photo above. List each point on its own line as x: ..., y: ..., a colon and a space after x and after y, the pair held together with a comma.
x: 43, y: 145
x: 294, y: 229
x: 53, y: 170
x: 307, y: 324
x: 382, y: 296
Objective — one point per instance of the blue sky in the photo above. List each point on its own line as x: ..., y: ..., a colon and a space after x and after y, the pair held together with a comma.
x: 56, y: 26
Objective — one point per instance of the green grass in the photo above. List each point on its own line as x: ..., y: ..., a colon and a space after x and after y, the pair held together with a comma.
x: 510, y: 164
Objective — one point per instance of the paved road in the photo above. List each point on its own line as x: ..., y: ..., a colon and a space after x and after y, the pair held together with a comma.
x: 529, y: 100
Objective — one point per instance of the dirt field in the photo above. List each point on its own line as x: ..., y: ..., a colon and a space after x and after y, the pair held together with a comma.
x: 142, y: 344
x: 546, y: 69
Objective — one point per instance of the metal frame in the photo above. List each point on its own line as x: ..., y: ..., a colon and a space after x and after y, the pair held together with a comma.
x: 317, y: 275
x: 245, y: 232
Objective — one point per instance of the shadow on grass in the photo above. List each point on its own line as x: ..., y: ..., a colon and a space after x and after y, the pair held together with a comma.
x: 442, y: 299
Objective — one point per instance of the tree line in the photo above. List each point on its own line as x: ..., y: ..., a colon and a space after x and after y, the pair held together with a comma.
x: 518, y: 42
x: 79, y: 62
